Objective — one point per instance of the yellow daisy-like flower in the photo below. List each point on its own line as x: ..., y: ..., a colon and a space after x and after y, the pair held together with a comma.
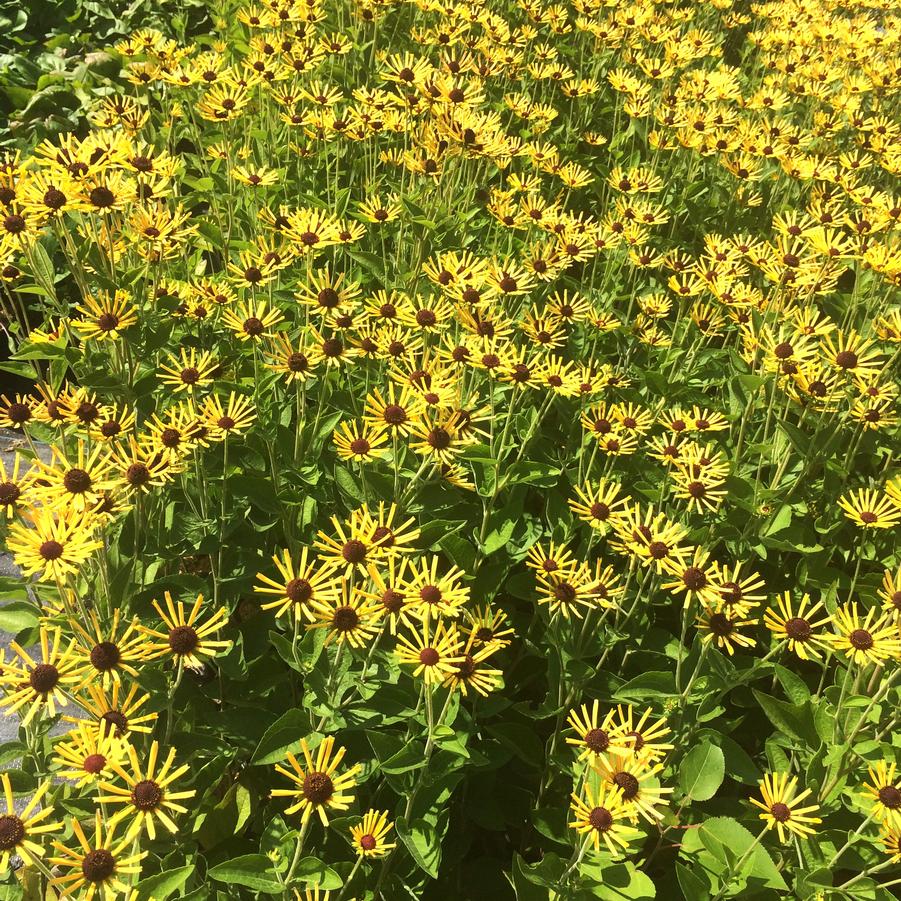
x: 252, y: 321
x: 57, y: 545
x: 146, y: 796
x: 104, y: 318
x: 301, y: 585
x: 78, y: 482
x: 40, y: 683
x: 800, y: 626
x: 187, y: 641
x: 351, y: 617
x: 597, y: 503
x: 109, y: 653
x: 869, y: 509
x: 434, y: 653
x: 596, y: 736
x: 189, y: 371
x: 109, y: 708
x: 317, y: 788
x: 602, y: 817
x: 891, y: 840
x: 360, y: 442
x: 430, y: 594
x: 720, y: 627
x: 94, y: 868
x: 781, y: 806
x: 369, y: 835
x: 644, y: 735
x: 14, y: 487
x: 235, y: 416
x: 873, y: 639
x: 471, y: 673
x: 19, y: 826
x: 884, y: 793
x: 84, y: 754
x: 633, y: 775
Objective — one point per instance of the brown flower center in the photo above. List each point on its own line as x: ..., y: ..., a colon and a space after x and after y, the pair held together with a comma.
x: 597, y: 740
x: 798, y: 629
x: 600, y: 819
x: 105, y: 656
x: 345, y: 619
x: 694, y: 578
x: 94, y: 764
x: 51, y: 550
x: 861, y: 640
x: 146, y: 795
x: 12, y: 831
x: 98, y: 865
x: 44, y: 678
x: 367, y: 842
x: 183, y: 640
x: 77, y: 481
x: 318, y: 788
x: 137, y: 475
x: 429, y: 656
x: 298, y: 591
x: 781, y: 812
x: 354, y: 551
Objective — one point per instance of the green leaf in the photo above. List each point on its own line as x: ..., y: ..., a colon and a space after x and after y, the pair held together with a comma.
x: 282, y: 736
x: 692, y: 887
x: 423, y: 843
x: 252, y: 870
x: 795, y: 720
x: 524, y: 888
x: 312, y: 871
x: 723, y: 836
x: 521, y: 739
x: 226, y: 819
x: 648, y: 685
x: 795, y: 687
x: 702, y: 771
x: 162, y: 885
x: 18, y: 616
x: 500, y: 531
x: 623, y: 882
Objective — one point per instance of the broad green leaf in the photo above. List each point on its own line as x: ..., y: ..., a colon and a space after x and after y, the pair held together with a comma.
x: 282, y: 736
x: 163, y: 885
x: 252, y: 870
x: 312, y: 871
x: 423, y: 843
x: 701, y: 773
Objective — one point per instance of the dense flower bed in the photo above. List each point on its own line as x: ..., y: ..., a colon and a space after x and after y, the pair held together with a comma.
x: 472, y: 458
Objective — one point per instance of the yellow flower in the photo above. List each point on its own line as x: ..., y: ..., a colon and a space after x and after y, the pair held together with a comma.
x: 317, y: 787
x: 20, y: 826
x: 186, y: 640
x: 602, y: 817
x: 780, y: 806
x: 40, y: 683
x: 95, y: 867
x: 301, y: 585
x: 57, y: 545
x: 369, y: 834
x: 104, y: 318
x: 147, y: 795
x: 84, y: 754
